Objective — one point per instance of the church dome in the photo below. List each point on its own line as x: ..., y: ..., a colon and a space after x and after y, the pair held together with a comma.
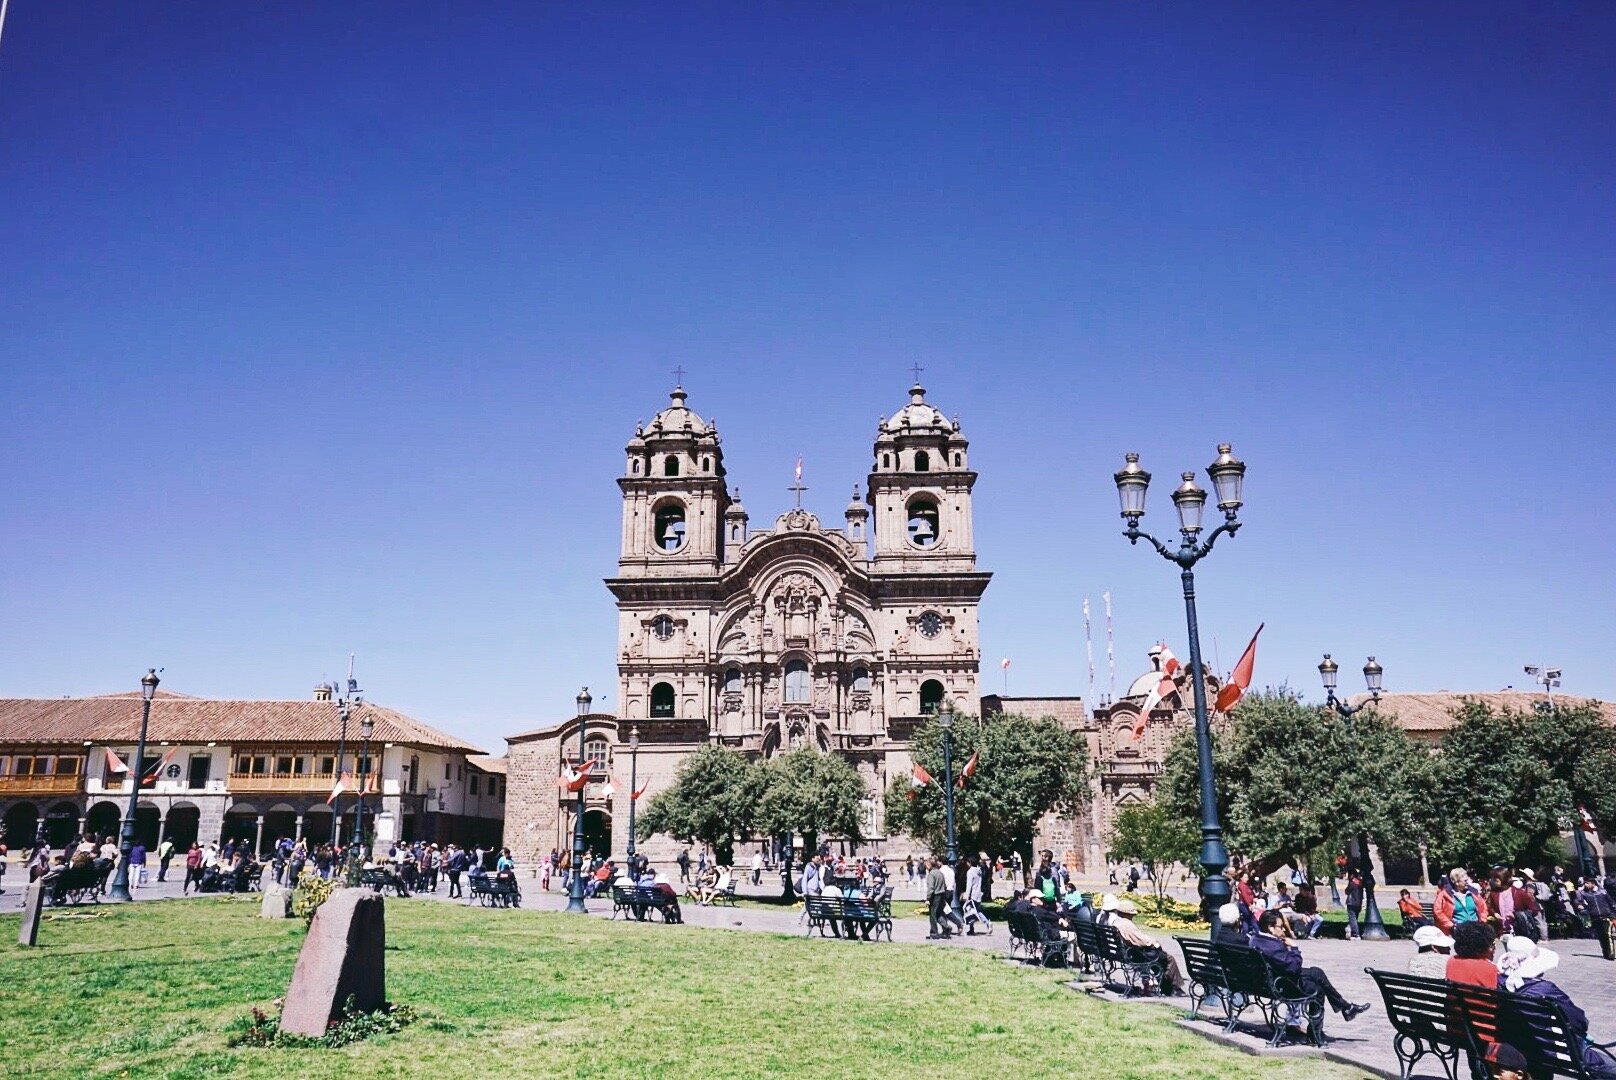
x: 917, y: 416
x: 677, y: 418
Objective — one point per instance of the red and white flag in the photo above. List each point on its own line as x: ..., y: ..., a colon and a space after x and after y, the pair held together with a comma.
x: 799, y: 468
x: 573, y: 779
x: 114, y: 762
x: 1586, y: 822
x: 152, y: 773
x: 918, y: 778
x: 968, y: 771
x: 1240, y: 679
x: 344, y: 782
x: 1004, y: 665
x: 610, y: 787
x: 1158, y: 693
x: 640, y: 792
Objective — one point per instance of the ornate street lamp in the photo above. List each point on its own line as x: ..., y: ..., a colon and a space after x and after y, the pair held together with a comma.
x: 120, y: 881
x: 633, y: 787
x: 575, y: 890
x: 1228, y: 475
x: 347, y: 700
x: 367, y: 725
x: 1373, y: 928
x: 945, y: 720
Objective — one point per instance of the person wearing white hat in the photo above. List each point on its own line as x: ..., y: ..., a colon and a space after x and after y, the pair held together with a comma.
x: 1431, y: 961
x: 1145, y: 947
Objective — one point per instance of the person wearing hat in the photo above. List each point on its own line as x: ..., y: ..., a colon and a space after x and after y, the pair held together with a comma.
x: 1523, y: 969
x: 1431, y: 961
x: 1144, y: 947
x: 1108, y: 910
x: 1504, y: 1062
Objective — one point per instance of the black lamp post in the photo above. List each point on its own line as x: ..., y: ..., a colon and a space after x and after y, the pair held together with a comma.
x: 1373, y: 928
x: 367, y: 725
x: 1228, y: 474
x: 945, y: 720
x: 633, y: 787
x: 120, y: 881
x: 575, y: 890
x: 347, y: 701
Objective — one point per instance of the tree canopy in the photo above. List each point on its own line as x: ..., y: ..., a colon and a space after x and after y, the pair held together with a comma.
x: 1026, y: 768
x: 812, y: 793
x: 1153, y: 834
x: 712, y: 801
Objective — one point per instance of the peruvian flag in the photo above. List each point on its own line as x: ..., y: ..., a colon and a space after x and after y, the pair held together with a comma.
x: 1164, y: 686
x: 573, y: 779
x: 1586, y: 824
x: 640, y: 792
x: 151, y: 774
x: 344, y: 782
x: 114, y: 762
x: 918, y: 779
x: 968, y: 771
x: 610, y: 787
x: 1240, y: 679
x: 1004, y: 665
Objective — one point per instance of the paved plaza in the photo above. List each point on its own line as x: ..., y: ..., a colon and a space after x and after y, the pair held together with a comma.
x: 1365, y: 1043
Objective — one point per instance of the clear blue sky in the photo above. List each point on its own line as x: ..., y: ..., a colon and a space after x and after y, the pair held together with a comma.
x: 322, y: 326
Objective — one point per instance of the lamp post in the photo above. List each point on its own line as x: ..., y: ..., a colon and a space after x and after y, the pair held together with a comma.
x: 1373, y: 928
x: 347, y: 700
x: 367, y: 725
x: 575, y: 889
x: 945, y: 720
x: 1549, y: 678
x: 633, y: 787
x: 1228, y: 474
x: 120, y: 882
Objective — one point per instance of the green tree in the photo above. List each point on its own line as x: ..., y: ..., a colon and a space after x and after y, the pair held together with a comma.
x: 712, y: 801
x: 1025, y: 769
x: 1510, y: 781
x: 1153, y: 834
x: 1293, y: 778
x: 807, y: 792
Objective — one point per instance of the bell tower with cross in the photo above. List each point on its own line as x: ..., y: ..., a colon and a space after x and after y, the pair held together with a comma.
x: 674, y: 494
x: 920, y: 489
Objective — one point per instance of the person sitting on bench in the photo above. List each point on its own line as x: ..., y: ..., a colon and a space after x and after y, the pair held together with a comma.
x: 1413, y: 914
x: 1521, y: 971
x: 1142, y: 946
x: 1270, y: 941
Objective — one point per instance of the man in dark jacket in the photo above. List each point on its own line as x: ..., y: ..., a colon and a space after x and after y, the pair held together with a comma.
x: 937, y: 892
x: 1270, y: 941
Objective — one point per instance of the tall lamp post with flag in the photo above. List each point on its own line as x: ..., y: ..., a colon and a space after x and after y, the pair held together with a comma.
x: 120, y: 882
x: 1228, y: 475
x: 575, y: 888
x: 633, y: 790
x: 1373, y: 928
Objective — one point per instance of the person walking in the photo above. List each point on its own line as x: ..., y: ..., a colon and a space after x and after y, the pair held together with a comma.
x: 973, y: 900
x: 193, y: 868
x: 137, y: 864
x: 1592, y: 903
x: 684, y: 866
x: 757, y: 868
x: 937, y: 891
x: 1355, y: 898
x: 165, y: 854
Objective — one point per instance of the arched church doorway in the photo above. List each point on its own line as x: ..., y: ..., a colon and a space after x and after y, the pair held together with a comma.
x: 598, y: 832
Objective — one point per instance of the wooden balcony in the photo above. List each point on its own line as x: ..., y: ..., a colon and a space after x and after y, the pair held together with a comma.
x: 240, y: 783
x: 41, y: 785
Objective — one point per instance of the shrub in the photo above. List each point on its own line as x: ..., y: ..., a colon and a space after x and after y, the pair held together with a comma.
x: 311, y: 891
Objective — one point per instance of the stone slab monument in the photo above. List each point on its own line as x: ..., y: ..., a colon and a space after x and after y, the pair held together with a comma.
x: 277, y: 902
x: 33, y: 900
x: 343, y: 956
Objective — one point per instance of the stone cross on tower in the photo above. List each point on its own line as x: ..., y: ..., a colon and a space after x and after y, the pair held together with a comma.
x: 917, y: 369
x: 679, y: 375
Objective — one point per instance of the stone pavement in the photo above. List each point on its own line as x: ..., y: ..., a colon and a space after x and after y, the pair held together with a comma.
x: 1365, y: 1043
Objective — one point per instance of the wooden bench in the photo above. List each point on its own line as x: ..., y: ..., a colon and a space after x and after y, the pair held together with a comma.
x: 858, y: 915
x: 1036, y: 939
x: 498, y: 891
x: 1442, y: 1018
x: 1203, y: 976
x: 1251, y: 980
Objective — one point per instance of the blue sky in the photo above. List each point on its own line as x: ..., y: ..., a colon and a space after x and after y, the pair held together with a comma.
x: 323, y: 326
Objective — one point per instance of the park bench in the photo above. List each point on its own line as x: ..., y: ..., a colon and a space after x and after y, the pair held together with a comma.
x: 1442, y: 1018
x: 622, y: 901
x: 1090, y: 952
x: 1037, y: 939
x: 379, y: 878
x: 498, y: 891
x: 1203, y: 976
x: 1251, y: 980
x: 726, y: 895
x: 1119, y: 956
x: 640, y: 901
x: 859, y: 916
x: 77, y: 884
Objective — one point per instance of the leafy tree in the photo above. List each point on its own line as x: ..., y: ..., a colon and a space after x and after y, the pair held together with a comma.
x: 1153, y: 834
x: 1026, y: 768
x: 1293, y: 778
x: 805, y: 791
x: 1510, y: 781
x: 712, y: 801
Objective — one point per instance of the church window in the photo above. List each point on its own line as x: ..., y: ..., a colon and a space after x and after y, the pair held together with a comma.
x: 634, y: 466
x: 595, y: 754
x: 662, y: 627
x: 922, y: 461
x: 923, y: 523
x: 670, y: 467
x: 662, y: 700
x: 706, y: 464
x: 670, y: 527
x: 732, y: 681
x: 861, y: 680
x: 886, y: 461
x: 958, y: 460
x: 931, y: 696
x: 797, y: 688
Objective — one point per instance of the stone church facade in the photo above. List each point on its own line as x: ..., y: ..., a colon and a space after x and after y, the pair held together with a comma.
x: 766, y: 639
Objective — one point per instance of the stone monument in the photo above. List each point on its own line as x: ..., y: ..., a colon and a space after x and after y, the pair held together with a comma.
x: 342, y: 957
x: 33, y: 899
x: 277, y: 902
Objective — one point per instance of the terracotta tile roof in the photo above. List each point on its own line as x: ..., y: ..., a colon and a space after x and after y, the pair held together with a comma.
x: 1434, y: 711
x: 489, y: 764
x: 1068, y: 710
x: 178, y: 718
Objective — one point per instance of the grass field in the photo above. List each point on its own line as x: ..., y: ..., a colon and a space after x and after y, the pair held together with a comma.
x: 155, y: 989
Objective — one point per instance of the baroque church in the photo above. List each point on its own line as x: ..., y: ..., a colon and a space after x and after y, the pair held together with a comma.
x: 764, y: 639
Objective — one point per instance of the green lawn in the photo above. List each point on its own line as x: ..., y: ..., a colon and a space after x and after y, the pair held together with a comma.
x: 153, y: 990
